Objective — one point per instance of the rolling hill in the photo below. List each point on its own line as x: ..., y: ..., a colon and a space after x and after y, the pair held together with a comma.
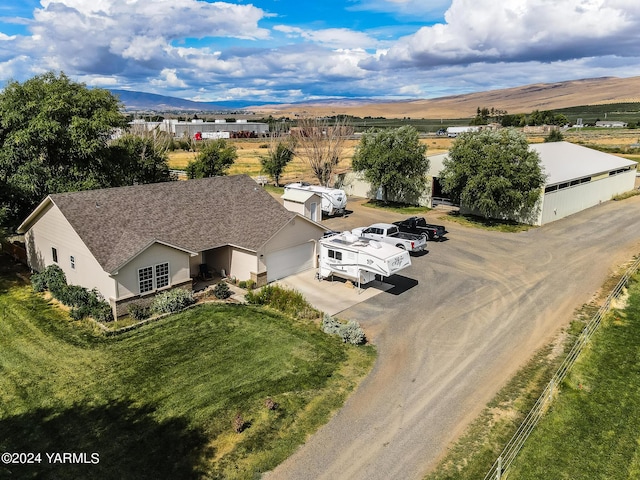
x: 524, y: 99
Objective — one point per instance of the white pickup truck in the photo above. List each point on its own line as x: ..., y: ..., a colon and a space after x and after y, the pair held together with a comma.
x: 389, y: 233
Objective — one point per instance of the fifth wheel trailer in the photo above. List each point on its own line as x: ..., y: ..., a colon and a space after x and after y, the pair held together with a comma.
x: 360, y: 259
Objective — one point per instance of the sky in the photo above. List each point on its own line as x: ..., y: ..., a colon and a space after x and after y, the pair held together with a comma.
x: 289, y: 51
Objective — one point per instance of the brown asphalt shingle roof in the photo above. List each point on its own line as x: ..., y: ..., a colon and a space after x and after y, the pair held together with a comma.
x: 195, y: 215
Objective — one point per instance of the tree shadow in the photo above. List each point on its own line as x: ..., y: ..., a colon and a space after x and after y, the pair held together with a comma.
x: 130, y: 443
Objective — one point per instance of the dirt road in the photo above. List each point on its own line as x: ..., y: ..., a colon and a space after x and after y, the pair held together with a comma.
x: 460, y: 322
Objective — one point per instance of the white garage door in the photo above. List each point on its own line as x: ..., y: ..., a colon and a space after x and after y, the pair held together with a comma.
x: 288, y: 261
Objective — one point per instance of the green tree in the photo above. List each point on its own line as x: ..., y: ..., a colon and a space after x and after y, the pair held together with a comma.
x: 280, y: 153
x: 494, y: 173
x: 141, y: 158
x: 394, y: 160
x: 54, y: 137
x: 214, y: 159
x: 554, y: 136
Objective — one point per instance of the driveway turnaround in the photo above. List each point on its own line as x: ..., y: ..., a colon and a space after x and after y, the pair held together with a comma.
x: 453, y: 330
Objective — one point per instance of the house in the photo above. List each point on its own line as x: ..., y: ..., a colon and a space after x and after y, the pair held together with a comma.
x: 132, y: 242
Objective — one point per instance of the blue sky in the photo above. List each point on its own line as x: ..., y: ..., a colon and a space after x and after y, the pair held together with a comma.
x: 288, y: 51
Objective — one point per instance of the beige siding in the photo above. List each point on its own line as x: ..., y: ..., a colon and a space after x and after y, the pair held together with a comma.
x: 243, y: 264
x: 179, y: 272
x: 296, y: 232
x: 53, y: 230
x: 567, y: 201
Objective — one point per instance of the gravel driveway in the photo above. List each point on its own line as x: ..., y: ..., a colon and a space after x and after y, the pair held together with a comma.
x: 482, y: 304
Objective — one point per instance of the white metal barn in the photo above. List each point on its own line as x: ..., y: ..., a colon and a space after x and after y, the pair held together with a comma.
x: 578, y: 178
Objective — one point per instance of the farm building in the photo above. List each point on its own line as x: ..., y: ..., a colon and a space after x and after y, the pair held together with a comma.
x: 577, y: 178
x: 202, y: 129
x: 132, y: 242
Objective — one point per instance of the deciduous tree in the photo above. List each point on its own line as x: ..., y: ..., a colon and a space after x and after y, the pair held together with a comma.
x: 321, y: 144
x: 494, y: 173
x: 394, y: 160
x: 281, y: 152
x: 54, y: 135
x: 215, y: 158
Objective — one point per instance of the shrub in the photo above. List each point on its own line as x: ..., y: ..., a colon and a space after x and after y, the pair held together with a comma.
x: 251, y: 284
x: 221, y: 291
x: 38, y: 282
x: 330, y: 325
x: 75, y: 296
x: 271, y: 404
x: 242, y: 284
x: 351, y: 332
x: 290, y: 302
x: 139, y: 312
x: 51, y: 278
x: 101, y: 312
x: 172, y: 301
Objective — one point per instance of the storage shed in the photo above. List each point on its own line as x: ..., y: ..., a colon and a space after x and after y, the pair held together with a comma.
x: 306, y: 203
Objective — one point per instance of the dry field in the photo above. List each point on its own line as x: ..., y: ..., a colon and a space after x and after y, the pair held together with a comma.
x: 250, y: 151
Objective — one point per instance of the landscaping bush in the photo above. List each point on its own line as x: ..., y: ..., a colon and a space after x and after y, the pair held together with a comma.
x: 350, y: 332
x: 251, y: 284
x: 242, y: 284
x: 84, y: 303
x: 139, y: 312
x: 51, y: 278
x: 284, y: 300
x: 330, y: 325
x: 221, y: 291
x: 173, y: 301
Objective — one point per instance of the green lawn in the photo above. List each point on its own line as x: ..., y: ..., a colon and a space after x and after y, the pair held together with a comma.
x: 159, y: 402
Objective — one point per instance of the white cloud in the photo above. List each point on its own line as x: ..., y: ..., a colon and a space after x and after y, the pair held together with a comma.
x: 169, y: 79
x: 330, y: 37
x: 519, y: 30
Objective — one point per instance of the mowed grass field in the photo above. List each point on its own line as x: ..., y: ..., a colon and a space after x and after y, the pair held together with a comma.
x: 159, y: 402
x: 250, y: 150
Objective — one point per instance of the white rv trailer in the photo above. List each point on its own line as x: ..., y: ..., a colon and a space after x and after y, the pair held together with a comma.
x: 360, y: 259
x: 455, y: 131
x: 334, y: 200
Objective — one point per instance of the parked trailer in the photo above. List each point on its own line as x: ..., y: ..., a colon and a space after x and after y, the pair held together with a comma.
x: 359, y: 259
x: 455, y: 131
x: 334, y: 200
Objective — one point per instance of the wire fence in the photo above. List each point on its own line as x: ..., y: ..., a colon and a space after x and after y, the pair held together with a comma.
x: 499, y: 470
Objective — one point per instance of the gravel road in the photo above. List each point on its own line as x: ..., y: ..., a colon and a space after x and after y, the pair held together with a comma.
x: 459, y: 323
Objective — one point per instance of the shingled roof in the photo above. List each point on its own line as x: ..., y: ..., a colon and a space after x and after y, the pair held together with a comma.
x: 116, y: 224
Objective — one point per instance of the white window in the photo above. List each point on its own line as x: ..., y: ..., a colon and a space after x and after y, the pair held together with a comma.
x: 72, y: 260
x: 145, y: 279
x: 162, y: 275
x: 152, y: 278
x: 54, y: 254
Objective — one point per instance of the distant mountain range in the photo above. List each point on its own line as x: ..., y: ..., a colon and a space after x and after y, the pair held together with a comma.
x: 524, y: 99
x: 150, y: 102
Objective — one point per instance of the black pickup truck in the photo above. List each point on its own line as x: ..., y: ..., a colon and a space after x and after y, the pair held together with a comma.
x: 420, y: 226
